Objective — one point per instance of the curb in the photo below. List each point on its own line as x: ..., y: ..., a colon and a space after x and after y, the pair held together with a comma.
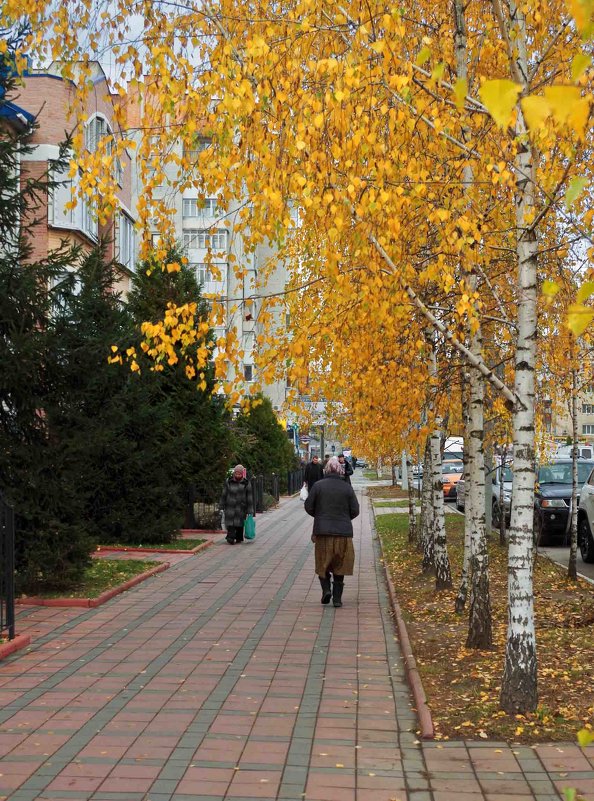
x: 10, y: 647
x: 91, y: 603
x: 125, y: 549
x: 202, y: 531
x: 410, y: 665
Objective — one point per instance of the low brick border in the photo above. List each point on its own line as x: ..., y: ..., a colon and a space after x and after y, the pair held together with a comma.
x: 11, y: 646
x: 410, y: 665
x: 125, y: 548
x: 87, y: 603
x: 202, y: 531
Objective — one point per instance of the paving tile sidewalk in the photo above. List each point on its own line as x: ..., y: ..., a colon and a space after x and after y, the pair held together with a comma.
x: 224, y: 678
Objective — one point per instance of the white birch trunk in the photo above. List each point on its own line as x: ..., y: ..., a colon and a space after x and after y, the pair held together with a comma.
x: 443, y: 575
x: 468, y: 496
x: 502, y: 532
x: 519, y: 692
x: 572, y: 566
x: 479, y: 618
x: 412, y: 512
x: 427, y: 513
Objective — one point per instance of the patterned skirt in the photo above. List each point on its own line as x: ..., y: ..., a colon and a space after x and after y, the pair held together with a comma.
x: 334, y: 554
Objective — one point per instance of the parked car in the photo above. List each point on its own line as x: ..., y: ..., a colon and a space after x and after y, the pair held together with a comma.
x: 566, y: 452
x: 361, y: 463
x: 500, y: 474
x: 586, y: 519
x: 552, y: 498
x: 451, y: 473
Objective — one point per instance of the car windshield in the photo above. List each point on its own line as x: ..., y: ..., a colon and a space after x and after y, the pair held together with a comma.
x: 561, y: 473
x: 507, y: 474
x: 452, y: 467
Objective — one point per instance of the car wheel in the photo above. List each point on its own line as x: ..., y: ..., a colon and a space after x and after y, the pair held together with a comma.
x: 540, y: 536
x: 586, y: 541
x: 495, y: 515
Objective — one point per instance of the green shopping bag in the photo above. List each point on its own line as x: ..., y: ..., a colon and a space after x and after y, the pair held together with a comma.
x: 249, y: 528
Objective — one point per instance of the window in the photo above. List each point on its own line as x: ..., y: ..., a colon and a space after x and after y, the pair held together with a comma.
x: 126, y: 241
x: 587, y: 408
x: 60, y: 214
x: 97, y: 129
x: 204, y: 238
x: 588, y: 429
x: 200, y: 207
x: 248, y: 372
x: 200, y: 144
x: 202, y: 272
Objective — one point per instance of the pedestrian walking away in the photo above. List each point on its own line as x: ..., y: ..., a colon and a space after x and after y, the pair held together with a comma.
x: 333, y: 505
x: 313, y: 472
x: 236, y: 502
x: 346, y: 465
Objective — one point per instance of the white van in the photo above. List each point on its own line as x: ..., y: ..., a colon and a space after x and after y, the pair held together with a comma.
x: 453, y: 448
x: 566, y: 452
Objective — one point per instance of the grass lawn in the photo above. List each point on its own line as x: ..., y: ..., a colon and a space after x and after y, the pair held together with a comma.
x: 102, y: 575
x: 386, y: 492
x: 394, y: 504
x: 463, y: 685
x: 182, y: 544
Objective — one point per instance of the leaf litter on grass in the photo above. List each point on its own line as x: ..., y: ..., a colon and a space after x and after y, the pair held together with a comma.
x: 463, y: 685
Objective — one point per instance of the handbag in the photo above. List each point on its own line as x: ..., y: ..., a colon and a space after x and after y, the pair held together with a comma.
x: 249, y: 528
x: 303, y: 493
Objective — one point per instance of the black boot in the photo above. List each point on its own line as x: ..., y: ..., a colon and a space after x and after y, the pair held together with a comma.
x: 337, y: 589
x: 326, y: 589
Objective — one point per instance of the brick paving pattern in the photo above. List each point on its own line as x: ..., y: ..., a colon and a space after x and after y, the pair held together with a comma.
x: 224, y: 678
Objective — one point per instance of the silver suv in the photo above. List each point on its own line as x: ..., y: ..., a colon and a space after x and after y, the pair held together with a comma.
x: 586, y: 519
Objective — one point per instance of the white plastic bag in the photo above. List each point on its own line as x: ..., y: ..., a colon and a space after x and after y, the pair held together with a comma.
x: 303, y: 493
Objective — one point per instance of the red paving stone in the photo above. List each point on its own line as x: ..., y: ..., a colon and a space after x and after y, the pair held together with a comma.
x: 224, y: 677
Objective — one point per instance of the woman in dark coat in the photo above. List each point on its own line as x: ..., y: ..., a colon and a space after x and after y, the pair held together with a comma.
x: 236, y: 502
x: 333, y: 505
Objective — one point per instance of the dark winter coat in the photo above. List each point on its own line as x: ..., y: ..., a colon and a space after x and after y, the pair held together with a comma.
x: 313, y: 473
x: 237, y: 502
x: 333, y: 504
x: 348, y: 471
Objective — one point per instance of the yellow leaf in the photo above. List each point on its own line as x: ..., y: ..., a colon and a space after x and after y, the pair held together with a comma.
x: 319, y: 120
x: 460, y: 92
x: 500, y: 97
x: 585, y: 737
x: 579, y: 318
x: 579, y: 65
x: 437, y: 73
x: 562, y: 100
x: 550, y: 289
x: 424, y: 55
x: 574, y: 190
x: 173, y: 267
x: 584, y: 292
x: 378, y: 46
x: 535, y: 110
x: 582, y: 12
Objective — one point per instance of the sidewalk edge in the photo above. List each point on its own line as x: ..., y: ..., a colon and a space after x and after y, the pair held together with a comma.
x: 10, y: 647
x: 91, y: 603
x: 412, y: 672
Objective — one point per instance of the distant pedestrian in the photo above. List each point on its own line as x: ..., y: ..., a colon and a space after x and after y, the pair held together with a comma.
x: 348, y: 470
x: 333, y: 505
x: 313, y: 472
x: 353, y: 463
x: 236, y: 502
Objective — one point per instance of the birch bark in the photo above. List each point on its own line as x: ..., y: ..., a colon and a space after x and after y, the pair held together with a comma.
x: 427, y: 514
x: 443, y: 575
x: 479, y: 621
x: 412, y: 512
x: 463, y: 587
x: 519, y: 693
x: 572, y: 566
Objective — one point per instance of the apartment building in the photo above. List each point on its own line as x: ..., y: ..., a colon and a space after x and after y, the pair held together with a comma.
x: 209, y: 237
x: 48, y: 97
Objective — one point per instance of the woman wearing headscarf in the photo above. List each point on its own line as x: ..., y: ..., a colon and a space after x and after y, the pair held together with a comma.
x: 236, y: 502
x: 333, y: 505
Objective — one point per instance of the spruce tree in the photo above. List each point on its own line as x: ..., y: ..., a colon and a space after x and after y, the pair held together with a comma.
x: 262, y: 444
x: 52, y: 548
